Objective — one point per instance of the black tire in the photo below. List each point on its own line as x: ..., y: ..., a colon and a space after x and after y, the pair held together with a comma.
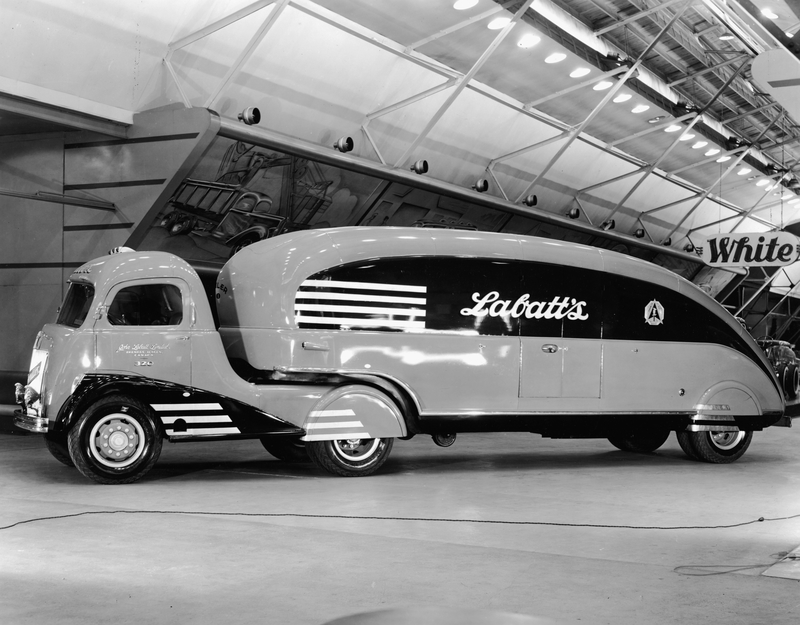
x: 58, y: 448
x: 685, y: 441
x: 135, y: 446
x: 352, y: 457
x: 640, y: 442
x: 286, y: 449
x: 719, y: 447
x: 791, y: 379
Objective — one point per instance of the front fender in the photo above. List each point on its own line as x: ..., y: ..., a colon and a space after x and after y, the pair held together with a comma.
x: 184, y: 413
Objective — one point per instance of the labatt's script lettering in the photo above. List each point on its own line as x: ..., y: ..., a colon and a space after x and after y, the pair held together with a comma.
x: 557, y: 308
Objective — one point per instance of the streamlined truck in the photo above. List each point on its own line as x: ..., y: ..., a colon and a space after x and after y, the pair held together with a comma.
x: 332, y: 343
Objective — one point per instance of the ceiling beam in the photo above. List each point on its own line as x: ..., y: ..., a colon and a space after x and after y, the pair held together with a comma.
x: 72, y: 119
x: 634, y: 17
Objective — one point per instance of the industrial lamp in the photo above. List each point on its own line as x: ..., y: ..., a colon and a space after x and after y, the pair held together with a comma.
x: 639, y: 233
x: 420, y: 167
x: 250, y: 116
x: 574, y: 213
x: 530, y: 200
x: 608, y: 225
x: 344, y: 144
x: 481, y: 185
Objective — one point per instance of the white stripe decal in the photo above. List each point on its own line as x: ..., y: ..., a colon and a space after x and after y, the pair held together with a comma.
x: 375, y: 310
x: 347, y: 412
x: 221, y: 418
x: 344, y: 284
x: 335, y: 437
x: 378, y: 323
x: 334, y: 424
x: 360, y: 297
x: 210, y: 406
x: 198, y: 431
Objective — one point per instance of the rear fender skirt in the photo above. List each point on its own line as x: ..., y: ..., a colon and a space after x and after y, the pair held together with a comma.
x: 185, y: 413
x: 728, y: 407
x: 354, y: 411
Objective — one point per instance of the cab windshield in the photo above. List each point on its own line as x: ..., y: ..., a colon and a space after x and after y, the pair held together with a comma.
x: 76, y: 305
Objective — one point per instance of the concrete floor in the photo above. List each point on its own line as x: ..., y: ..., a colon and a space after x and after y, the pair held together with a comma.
x: 269, y: 544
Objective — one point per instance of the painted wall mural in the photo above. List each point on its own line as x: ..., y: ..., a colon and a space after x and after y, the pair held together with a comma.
x: 240, y: 193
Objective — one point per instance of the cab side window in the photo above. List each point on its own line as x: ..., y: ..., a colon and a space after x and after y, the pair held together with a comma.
x: 147, y: 305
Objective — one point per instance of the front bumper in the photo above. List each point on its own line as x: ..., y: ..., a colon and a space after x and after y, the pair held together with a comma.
x: 30, y: 422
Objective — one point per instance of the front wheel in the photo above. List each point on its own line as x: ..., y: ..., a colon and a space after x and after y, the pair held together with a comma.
x: 57, y: 446
x: 717, y: 447
x: 116, y: 441
x: 640, y: 442
x: 353, y: 457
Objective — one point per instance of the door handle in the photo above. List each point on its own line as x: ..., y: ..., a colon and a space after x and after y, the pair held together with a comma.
x: 315, y: 347
x: 549, y: 348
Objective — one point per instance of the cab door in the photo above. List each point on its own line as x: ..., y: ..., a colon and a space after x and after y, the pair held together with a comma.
x: 143, y: 328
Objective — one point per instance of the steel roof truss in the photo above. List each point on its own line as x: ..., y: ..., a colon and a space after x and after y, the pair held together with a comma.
x: 573, y: 134
x: 461, y: 84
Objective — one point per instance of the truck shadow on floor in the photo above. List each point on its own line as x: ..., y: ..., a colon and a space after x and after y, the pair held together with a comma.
x: 465, y: 463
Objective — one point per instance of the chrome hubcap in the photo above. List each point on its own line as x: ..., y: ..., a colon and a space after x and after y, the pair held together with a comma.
x: 116, y: 440
x: 356, y: 449
x: 726, y: 440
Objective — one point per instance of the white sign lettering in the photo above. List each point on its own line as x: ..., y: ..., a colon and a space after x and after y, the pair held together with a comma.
x: 751, y: 250
x: 557, y: 308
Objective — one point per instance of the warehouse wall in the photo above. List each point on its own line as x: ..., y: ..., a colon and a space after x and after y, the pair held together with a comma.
x: 31, y: 249
x: 121, y: 181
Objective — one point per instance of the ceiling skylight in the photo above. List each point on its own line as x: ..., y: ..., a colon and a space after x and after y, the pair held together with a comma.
x: 499, y: 22
x: 528, y: 41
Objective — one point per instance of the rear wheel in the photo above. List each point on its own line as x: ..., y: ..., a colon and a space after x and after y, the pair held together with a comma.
x: 791, y: 380
x: 288, y: 450
x: 353, y: 457
x: 685, y: 441
x: 640, y: 442
x: 116, y: 441
x: 58, y: 448
x: 718, y: 447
